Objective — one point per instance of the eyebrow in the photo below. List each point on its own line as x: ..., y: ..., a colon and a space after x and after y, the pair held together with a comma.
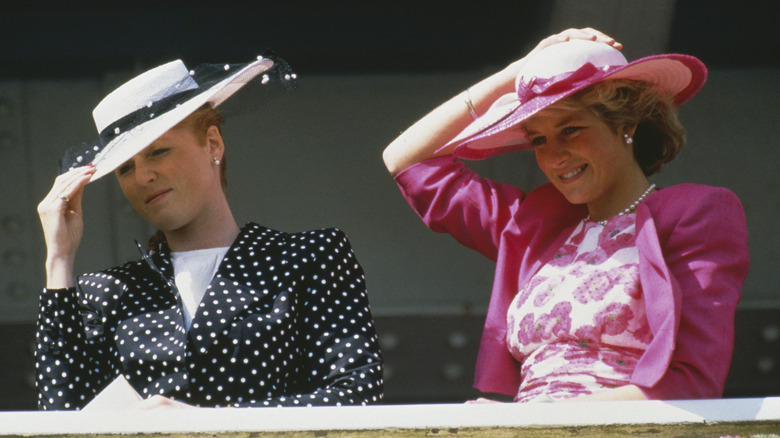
x: 565, y: 121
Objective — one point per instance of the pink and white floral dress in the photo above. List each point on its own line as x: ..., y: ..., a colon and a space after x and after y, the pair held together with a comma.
x: 579, y: 325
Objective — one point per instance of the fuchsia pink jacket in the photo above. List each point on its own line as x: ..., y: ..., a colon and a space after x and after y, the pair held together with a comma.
x: 693, y: 260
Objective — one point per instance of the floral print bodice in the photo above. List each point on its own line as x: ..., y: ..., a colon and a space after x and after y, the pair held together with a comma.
x: 579, y: 325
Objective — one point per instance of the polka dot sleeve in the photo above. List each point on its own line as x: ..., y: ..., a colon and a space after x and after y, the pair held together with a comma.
x: 71, y: 361
x: 340, y: 360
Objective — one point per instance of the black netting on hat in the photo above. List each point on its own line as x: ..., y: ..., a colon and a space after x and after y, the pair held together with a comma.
x: 205, y: 75
x: 78, y: 155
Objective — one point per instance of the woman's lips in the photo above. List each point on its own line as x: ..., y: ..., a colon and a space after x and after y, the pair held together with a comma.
x: 569, y: 175
x: 154, y: 197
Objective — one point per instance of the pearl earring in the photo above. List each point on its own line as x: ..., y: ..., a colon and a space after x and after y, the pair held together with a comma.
x: 628, y: 139
x: 216, y: 160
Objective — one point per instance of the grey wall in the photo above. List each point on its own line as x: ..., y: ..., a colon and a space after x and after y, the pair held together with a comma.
x: 312, y: 158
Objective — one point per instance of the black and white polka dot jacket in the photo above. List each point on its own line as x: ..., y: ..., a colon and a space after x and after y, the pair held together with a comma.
x: 284, y: 322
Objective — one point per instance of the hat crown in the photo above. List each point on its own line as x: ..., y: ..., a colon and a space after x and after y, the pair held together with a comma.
x: 560, y: 70
x: 141, y: 91
x: 568, y: 57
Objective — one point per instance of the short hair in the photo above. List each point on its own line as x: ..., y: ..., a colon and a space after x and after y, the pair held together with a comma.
x: 202, y: 118
x: 199, y: 122
x: 622, y: 104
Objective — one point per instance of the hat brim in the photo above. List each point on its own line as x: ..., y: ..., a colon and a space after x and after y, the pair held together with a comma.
x: 680, y: 76
x: 128, y: 144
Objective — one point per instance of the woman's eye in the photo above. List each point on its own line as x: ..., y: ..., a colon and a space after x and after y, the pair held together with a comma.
x: 538, y: 141
x: 124, y: 169
x: 158, y: 152
x: 571, y: 129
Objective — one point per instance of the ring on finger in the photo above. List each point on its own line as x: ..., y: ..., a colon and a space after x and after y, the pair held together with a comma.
x: 64, y: 198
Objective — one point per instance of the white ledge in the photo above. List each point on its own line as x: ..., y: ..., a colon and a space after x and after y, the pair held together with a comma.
x: 383, y: 417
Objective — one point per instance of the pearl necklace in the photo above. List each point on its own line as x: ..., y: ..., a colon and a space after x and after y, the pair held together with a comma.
x: 630, y: 208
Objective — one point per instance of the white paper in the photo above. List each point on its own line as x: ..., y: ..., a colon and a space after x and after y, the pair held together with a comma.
x: 117, y: 395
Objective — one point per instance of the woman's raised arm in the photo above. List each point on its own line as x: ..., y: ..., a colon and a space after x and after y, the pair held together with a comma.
x: 420, y: 141
x: 63, y: 226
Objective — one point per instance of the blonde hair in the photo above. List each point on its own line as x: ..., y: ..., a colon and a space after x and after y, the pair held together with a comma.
x: 622, y: 104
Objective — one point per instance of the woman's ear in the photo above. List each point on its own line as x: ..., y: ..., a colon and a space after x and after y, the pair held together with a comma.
x: 214, y: 142
x: 630, y: 130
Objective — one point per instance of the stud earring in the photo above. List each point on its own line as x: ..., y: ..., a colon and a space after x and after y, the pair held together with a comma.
x: 627, y: 139
x: 216, y: 160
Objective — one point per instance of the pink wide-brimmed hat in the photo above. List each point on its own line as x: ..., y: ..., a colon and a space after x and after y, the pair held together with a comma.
x: 559, y: 71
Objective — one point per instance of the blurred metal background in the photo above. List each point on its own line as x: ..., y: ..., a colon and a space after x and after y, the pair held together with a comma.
x: 312, y: 157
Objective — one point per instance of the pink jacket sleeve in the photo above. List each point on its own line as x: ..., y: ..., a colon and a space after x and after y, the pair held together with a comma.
x: 692, y: 277
x: 450, y: 198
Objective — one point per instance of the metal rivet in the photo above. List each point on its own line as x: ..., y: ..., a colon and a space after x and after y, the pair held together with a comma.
x: 17, y: 291
x: 388, y: 372
x: 389, y: 341
x: 14, y: 258
x: 453, y: 371
x: 12, y: 225
x: 458, y: 340
x: 765, y: 365
x: 7, y: 141
x: 771, y: 333
x: 5, y: 107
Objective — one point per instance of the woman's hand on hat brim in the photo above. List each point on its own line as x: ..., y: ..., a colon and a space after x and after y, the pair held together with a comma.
x: 428, y: 135
x: 586, y: 33
x: 61, y: 218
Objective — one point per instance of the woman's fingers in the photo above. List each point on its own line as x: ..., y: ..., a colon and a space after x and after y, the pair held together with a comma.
x: 596, y: 35
x: 160, y: 402
x: 481, y: 400
x: 60, y: 215
x: 587, y: 33
x: 66, y: 191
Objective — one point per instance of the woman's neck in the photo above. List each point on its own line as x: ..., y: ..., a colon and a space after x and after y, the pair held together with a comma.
x: 631, y: 190
x: 214, y: 229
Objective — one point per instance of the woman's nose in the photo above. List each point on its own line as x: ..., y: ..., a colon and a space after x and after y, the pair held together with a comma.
x: 144, y: 173
x: 557, y: 153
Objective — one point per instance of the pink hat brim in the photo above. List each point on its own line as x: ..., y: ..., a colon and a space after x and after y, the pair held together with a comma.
x: 681, y: 76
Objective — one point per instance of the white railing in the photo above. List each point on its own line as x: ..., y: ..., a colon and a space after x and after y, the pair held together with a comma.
x: 728, y: 417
